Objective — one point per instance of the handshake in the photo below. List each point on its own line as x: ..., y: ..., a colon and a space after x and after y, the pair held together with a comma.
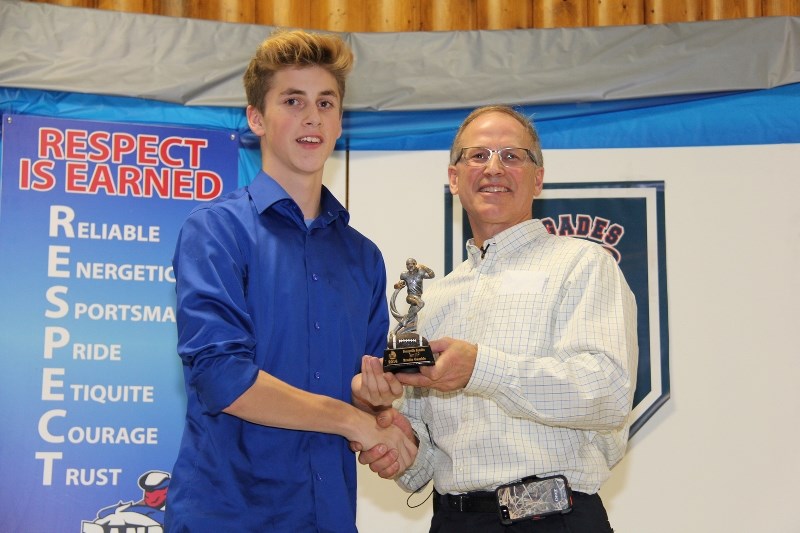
x: 389, y: 445
x: 373, y: 393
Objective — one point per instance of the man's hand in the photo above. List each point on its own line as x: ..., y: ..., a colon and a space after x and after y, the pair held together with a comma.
x: 373, y: 388
x: 452, y: 370
x: 380, y: 460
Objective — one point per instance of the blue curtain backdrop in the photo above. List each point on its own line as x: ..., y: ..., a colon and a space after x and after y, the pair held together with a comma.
x: 766, y: 116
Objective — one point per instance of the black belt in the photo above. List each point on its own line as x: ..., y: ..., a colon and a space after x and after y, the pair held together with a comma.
x: 474, y: 502
x: 470, y: 502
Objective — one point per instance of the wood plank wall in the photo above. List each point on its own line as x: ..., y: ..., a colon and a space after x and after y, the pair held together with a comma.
x: 447, y: 15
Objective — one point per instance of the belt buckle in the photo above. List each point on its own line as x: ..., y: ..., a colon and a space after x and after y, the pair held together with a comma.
x: 462, y: 499
x: 456, y: 501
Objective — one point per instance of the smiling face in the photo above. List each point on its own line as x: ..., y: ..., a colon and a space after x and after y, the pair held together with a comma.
x: 495, y: 197
x: 300, y: 123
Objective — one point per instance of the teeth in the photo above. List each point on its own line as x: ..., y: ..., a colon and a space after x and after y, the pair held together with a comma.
x: 494, y: 189
x: 310, y: 140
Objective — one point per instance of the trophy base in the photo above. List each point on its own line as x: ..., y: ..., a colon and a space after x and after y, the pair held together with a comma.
x: 407, y: 352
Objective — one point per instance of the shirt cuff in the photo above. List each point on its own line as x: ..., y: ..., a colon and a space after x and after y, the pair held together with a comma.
x: 420, y: 473
x: 219, y: 381
x: 491, y: 369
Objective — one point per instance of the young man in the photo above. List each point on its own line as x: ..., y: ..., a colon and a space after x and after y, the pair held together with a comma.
x: 536, y: 336
x: 278, y: 300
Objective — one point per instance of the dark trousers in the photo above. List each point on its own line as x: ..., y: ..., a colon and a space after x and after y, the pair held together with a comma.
x: 587, y: 516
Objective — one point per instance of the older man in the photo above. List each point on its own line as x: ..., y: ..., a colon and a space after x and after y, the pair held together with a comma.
x: 536, y: 336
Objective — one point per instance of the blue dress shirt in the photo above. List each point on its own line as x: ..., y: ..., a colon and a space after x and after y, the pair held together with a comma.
x: 258, y: 289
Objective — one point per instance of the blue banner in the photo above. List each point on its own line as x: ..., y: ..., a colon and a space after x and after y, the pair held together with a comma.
x: 89, y: 216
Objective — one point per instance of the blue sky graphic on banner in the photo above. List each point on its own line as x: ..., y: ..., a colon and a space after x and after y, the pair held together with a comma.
x: 626, y: 218
x: 89, y: 216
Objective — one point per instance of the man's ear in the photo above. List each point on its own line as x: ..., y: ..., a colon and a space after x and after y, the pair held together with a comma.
x: 452, y: 176
x: 538, y: 181
x: 255, y: 120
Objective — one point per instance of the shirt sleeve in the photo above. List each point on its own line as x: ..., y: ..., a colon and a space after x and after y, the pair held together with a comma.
x: 587, y: 379
x: 215, y: 332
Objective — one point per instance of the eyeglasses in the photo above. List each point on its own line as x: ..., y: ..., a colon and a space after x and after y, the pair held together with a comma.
x: 479, y: 156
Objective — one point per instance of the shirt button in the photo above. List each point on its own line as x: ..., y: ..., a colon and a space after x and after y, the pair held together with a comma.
x: 319, y: 476
x: 317, y: 375
x: 316, y: 325
x: 315, y: 277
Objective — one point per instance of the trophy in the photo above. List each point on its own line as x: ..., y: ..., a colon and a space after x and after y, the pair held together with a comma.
x: 406, y: 350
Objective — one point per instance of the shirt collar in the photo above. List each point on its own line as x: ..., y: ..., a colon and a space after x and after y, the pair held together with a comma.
x: 507, y: 241
x: 266, y: 193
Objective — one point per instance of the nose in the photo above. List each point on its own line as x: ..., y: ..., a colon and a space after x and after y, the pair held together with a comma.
x: 493, y: 165
x: 313, y: 118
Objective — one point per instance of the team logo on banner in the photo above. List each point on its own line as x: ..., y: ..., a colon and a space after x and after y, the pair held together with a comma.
x: 627, y: 219
x: 145, y: 515
x: 597, y: 229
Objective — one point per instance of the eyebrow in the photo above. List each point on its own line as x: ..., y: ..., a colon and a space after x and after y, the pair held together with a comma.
x: 292, y: 91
